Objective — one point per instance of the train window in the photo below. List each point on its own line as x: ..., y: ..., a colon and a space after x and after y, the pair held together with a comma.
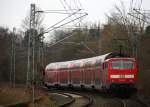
x: 122, y: 64
x: 104, y: 65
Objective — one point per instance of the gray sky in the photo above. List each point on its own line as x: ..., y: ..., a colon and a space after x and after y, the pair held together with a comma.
x: 14, y: 11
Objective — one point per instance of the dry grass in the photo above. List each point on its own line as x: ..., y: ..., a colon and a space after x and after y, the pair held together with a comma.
x: 44, y: 102
x: 9, y: 95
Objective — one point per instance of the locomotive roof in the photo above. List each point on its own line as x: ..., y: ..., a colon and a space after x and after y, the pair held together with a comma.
x: 94, y: 61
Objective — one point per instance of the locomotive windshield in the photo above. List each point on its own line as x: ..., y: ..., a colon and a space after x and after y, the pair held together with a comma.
x: 122, y: 64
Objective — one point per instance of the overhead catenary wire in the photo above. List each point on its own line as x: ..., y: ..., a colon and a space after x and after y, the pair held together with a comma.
x: 72, y: 9
x: 53, y: 26
x: 65, y: 23
x: 85, y: 45
x: 69, y: 8
x: 58, y: 11
x: 70, y: 35
x: 63, y: 6
x: 62, y: 20
x: 78, y: 5
x: 81, y: 43
x: 66, y: 37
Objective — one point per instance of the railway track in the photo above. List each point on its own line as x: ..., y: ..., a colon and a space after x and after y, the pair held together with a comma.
x: 80, y: 100
x: 132, y: 102
x: 99, y: 99
x: 67, y: 102
x: 75, y: 99
x: 137, y: 102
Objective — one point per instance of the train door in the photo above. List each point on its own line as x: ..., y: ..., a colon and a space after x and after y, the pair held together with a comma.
x: 87, y: 77
x: 69, y: 77
x: 55, y: 77
x: 64, y: 77
x: 76, y: 77
x: 104, y: 73
x: 93, y: 77
x: 58, y: 77
x: 82, y: 78
x: 51, y: 78
x: 98, y: 81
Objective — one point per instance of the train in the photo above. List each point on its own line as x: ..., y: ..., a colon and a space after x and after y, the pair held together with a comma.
x: 109, y: 72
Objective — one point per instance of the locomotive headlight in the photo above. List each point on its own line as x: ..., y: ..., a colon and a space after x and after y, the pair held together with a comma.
x: 114, y: 76
x: 129, y: 76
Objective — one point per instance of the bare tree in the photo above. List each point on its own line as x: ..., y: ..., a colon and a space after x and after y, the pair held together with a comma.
x: 123, y: 27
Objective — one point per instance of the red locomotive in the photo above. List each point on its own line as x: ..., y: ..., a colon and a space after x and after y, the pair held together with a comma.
x: 111, y: 71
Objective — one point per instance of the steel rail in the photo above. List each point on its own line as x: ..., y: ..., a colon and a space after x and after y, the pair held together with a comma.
x: 67, y: 103
x: 89, y: 98
x: 144, y: 104
x: 88, y: 103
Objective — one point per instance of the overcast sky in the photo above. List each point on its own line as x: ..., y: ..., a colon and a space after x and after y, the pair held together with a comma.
x: 14, y: 11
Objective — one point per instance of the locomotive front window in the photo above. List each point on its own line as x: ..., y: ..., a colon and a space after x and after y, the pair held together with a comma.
x: 122, y: 64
